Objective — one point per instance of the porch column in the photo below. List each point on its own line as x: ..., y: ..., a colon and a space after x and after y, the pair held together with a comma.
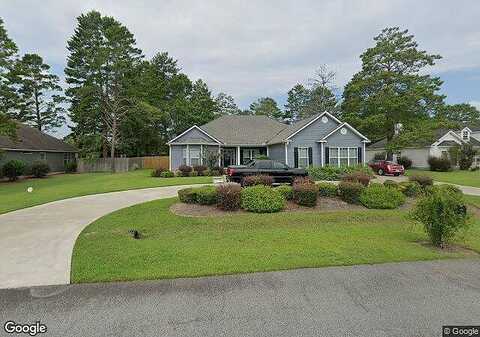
x: 201, y: 154
x: 219, y: 156
x: 364, y: 153
x: 267, y: 152
x: 238, y: 155
x: 286, y: 153
x: 188, y: 154
x: 169, y: 157
x: 322, y: 156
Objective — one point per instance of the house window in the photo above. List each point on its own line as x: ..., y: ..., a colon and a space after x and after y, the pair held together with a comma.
x: 343, y: 156
x: 303, y: 159
x: 43, y: 156
x: 194, y: 156
x: 465, y: 135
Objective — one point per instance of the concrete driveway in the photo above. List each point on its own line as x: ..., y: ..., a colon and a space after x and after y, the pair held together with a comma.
x: 36, y: 243
x: 402, y: 299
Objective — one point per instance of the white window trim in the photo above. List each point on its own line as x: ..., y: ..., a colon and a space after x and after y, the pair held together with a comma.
x: 307, y: 157
x: 338, y: 157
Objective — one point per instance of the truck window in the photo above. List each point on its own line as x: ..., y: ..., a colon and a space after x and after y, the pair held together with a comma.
x: 263, y: 164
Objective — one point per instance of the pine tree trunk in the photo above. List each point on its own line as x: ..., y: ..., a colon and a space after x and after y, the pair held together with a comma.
x: 37, y: 111
x: 112, y: 149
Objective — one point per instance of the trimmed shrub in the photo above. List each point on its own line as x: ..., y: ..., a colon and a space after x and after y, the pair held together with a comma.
x: 187, y: 195
x: 286, y: 191
x: 262, y: 199
x: 259, y: 179
x: 305, y: 194
x: 381, y: 196
x: 206, y: 195
x: 325, y: 173
x: 405, y: 162
x: 423, y: 180
x: 441, y: 164
x: 185, y: 170
x: 229, y: 196
x: 327, y: 190
x: 443, y: 212
x: 410, y: 188
x: 390, y: 183
x: 13, y: 169
x: 157, y: 172
x: 71, y: 167
x: 303, y: 180
x: 350, y: 191
x: 167, y: 174
x: 39, y: 169
x: 200, y: 169
x: 357, y: 177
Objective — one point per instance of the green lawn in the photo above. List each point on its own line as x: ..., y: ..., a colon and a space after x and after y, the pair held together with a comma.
x: 466, y: 178
x: 15, y: 196
x: 175, y: 246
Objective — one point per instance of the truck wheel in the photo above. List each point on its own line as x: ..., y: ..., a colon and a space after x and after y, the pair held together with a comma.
x: 380, y: 172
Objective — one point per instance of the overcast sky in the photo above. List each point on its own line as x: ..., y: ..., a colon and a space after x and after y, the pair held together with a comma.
x: 251, y: 49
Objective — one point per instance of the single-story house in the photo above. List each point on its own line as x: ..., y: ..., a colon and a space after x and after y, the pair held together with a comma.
x: 319, y: 140
x: 31, y: 145
x: 444, y: 139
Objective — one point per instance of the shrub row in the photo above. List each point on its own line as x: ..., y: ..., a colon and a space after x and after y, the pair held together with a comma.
x: 16, y: 168
x: 441, y: 164
x: 186, y: 171
x: 336, y: 173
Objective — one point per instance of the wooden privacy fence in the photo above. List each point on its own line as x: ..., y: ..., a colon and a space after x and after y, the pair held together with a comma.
x: 122, y: 164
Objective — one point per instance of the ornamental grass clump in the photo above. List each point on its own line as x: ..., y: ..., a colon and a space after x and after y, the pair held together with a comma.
x: 443, y: 213
x: 262, y: 199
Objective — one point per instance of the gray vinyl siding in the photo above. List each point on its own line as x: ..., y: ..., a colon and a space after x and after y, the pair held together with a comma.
x: 351, y: 139
x: 309, y: 137
x: 277, y: 152
x: 176, y: 153
x: 194, y: 136
x: 55, y: 160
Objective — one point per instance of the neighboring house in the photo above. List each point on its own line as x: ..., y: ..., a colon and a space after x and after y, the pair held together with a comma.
x: 319, y: 140
x: 443, y: 140
x: 32, y: 145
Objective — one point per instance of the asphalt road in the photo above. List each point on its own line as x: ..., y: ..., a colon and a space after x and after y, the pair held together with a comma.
x: 404, y: 299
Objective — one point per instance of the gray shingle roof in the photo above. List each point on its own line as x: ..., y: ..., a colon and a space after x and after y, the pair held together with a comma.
x: 31, y: 139
x: 248, y: 130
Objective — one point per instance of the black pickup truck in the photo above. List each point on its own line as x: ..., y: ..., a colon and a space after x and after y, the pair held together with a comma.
x: 280, y: 172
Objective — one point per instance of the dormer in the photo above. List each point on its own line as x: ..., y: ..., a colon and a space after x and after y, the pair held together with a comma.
x: 465, y: 134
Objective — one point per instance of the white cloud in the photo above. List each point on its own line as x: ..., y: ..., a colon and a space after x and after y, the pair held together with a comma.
x: 251, y: 49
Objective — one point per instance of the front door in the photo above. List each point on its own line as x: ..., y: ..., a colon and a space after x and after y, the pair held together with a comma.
x: 229, y: 156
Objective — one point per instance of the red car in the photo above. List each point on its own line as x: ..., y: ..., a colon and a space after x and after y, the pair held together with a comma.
x: 386, y: 167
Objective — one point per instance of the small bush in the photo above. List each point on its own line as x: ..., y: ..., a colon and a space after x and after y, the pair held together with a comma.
x: 187, y: 195
x: 259, y: 179
x: 380, y: 156
x: 405, y: 162
x: 410, y: 188
x: 286, y: 191
x: 262, y: 199
x: 329, y: 173
x: 382, y: 197
x: 303, y: 180
x: 441, y: 164
x: 206, y: 195
x: 390, y: 183
x: 71, y: 167
x: 357, y: 177
x: 167, y: 174
x: 423, y: 180
x: 39, y: 169
x: 13, y: 169
x: 305, y: 194
x: 229, y: 196
x: 327, y: 190
x: 157, y: 172
x: 185, y: 170
x: 350, y: 191
x: 365, y: 169
x: 200, y: 169
x: 443, y: 212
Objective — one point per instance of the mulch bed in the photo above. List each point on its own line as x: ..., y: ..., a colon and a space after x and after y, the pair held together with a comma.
x: 323, y: 205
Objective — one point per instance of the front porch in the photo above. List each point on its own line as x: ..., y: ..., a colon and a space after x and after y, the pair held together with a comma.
x: 239, y: 155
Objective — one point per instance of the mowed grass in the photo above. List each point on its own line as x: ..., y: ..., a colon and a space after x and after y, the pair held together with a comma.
x: 14, y: 195
x: 175, y: 246
x: 466, y: 178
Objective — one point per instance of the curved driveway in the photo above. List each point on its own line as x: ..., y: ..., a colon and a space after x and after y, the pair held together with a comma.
x: 36, y: 243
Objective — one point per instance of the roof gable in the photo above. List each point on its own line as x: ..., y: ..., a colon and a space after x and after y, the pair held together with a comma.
x: 348, y: 126
x: 32, y: 139
x: 194, y: 134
